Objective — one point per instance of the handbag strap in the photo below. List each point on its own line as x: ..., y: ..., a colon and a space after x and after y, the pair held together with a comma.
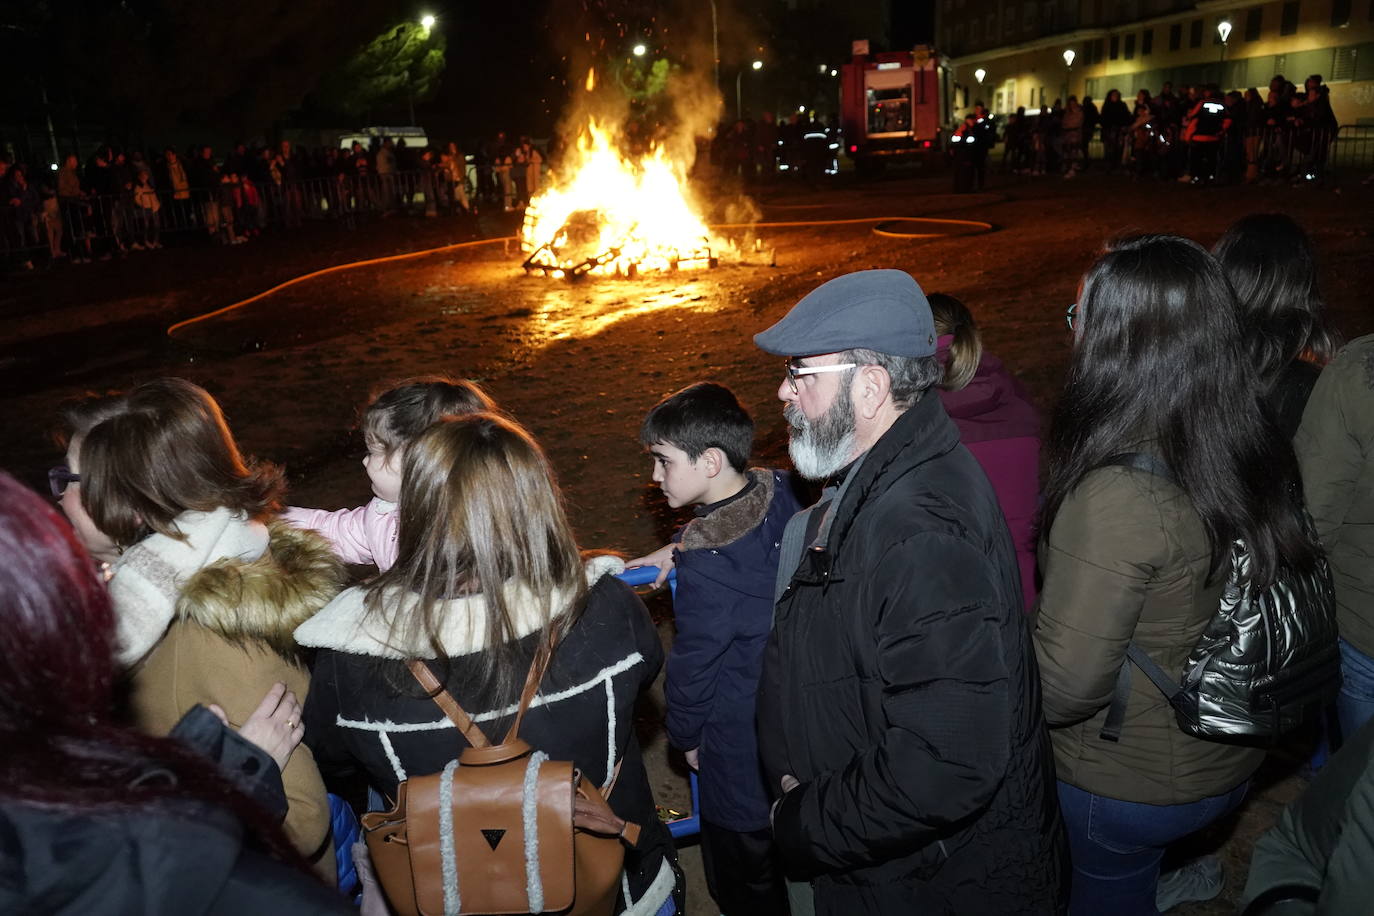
x: 459, y: 716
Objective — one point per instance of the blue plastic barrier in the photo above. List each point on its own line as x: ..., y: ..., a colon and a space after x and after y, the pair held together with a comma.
x: 683, y: 826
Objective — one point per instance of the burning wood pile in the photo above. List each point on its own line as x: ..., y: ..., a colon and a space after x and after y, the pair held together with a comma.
x: 609, y: 215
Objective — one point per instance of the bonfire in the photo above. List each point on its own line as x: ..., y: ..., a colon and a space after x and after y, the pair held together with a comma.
x: 606, y: 214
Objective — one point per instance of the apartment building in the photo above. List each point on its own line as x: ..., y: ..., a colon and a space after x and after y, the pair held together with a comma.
x: 1010, y: 53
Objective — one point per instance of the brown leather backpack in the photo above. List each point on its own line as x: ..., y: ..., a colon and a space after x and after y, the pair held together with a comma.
x: 501, y: 830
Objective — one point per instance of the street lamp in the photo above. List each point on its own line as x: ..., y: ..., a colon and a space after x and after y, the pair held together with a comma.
x: 427, y: 20
x: 639, y: 50
x: 823, y: 69
x: 1224, y: 32
x: 979, y: 74
x: 739, y: 97
x: 1069, y: 55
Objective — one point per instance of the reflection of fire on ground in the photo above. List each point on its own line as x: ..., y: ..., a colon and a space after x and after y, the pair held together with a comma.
x: 560, y: 317
x: 609, y: 215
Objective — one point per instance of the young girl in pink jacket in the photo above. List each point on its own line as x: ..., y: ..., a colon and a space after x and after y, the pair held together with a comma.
x: 390, y: 422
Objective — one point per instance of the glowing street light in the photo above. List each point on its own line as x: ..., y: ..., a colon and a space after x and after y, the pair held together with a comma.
x: 824, y: 68
x: 1223, y: 32
x: 979, y: 74
x: 639, y: 50
x: 834, y: 72
x: 428, y: 20
x: 739, y: 92
x: 1069, y: 55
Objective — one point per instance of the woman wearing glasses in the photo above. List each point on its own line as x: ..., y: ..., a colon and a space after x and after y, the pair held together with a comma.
x: 205, y: 591
x: 1159, y: 368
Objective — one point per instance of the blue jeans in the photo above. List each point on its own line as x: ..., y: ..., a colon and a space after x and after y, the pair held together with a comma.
x: 1116, y: 847
x: 1355, y: 702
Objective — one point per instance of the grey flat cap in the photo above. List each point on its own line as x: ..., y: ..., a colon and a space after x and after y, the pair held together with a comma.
x: 882, y: 310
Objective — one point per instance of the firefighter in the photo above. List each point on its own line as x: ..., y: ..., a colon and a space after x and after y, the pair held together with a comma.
x: 964, y: 154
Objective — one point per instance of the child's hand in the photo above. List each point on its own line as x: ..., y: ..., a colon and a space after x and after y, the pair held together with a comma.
x: 693, y: 758
x: 662, y: 558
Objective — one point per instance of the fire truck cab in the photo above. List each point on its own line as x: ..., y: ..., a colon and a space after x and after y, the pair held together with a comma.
x: 893, y: 106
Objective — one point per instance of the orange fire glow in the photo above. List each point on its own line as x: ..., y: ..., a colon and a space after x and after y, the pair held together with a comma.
x: 607, y: 215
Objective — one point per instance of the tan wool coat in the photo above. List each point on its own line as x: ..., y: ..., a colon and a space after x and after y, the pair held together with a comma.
x: 230, y: 642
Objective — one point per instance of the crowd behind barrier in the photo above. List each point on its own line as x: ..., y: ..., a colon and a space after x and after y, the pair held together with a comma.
x: 1199, y: 135
x: 122, y: 201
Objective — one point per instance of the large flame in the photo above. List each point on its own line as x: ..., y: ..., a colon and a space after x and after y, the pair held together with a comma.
x: 605, y: 214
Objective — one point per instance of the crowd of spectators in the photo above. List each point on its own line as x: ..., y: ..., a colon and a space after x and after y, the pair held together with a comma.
x: 1199, y: 134
x: 125, y: 200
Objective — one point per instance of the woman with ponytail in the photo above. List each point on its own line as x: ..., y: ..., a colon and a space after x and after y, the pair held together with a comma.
x: 997, y: 422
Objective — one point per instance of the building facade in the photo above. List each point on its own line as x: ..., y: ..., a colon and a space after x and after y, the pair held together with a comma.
x: 1010, y: 53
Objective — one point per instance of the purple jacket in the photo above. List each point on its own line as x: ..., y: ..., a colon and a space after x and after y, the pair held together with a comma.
x: 1001, y: 427
x: 366, y: 534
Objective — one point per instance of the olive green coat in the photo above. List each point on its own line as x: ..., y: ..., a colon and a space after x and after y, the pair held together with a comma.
x: 1335, y: 446
x: 1127, y: 559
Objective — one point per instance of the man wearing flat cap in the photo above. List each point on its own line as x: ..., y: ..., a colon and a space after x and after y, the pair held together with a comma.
x: 899, y: 710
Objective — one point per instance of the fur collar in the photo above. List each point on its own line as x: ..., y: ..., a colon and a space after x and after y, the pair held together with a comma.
x: 345, y: 626
x: 731, y: 522
x: 238, y: 577
x: 267, y: 598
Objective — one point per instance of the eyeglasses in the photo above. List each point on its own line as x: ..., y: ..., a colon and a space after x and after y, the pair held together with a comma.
x: 1073, y: 310
x: 59, y: 478
x: 795, y: 371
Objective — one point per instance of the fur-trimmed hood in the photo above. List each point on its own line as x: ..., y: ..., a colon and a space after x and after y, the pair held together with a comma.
x: 267, y: 598
x: 733, y: 521
x: 345, y: 625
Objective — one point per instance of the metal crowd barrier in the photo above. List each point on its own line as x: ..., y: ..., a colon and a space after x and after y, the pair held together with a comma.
x: 94, y: 226
x: 682, y: 826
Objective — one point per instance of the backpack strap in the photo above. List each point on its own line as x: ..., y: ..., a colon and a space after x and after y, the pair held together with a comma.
x: 459, y: 717
x: 1116, y: 712
x: 455, y: 713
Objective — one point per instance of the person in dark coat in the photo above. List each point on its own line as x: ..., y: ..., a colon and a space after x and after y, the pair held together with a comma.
x: 1271, y: 264
x: 899, y: 710
x: 367, y: 715
x: 998, y: 423
x: 727, y: 561
x: 1115, y: 120
x: 96, y: 818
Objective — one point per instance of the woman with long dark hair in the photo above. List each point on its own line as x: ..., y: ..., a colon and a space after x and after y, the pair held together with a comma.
x: 97, y: 818
x: 1159, y: 367
x: 487, y: 575
x: 1272, y: 267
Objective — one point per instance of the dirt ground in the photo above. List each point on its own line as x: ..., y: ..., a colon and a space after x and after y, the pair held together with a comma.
x: 579, y: 364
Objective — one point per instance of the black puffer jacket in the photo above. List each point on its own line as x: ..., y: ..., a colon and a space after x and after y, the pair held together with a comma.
x: 900, y: 688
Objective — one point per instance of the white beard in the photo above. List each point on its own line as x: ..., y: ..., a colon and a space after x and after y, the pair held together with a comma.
x: 821, y: 447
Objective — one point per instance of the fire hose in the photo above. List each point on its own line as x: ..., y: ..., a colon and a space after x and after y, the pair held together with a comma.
x: 885, y: 226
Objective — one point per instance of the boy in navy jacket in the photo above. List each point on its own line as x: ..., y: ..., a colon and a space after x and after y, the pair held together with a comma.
x: 727, y: 562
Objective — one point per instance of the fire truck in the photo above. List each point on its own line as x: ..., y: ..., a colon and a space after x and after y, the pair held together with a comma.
x: 893, y: 106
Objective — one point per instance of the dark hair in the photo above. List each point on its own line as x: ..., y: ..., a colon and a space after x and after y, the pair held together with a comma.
x: 63, y: 750
x: 161, y: 450
x: 702, y: 416
x: 1159, y: 359
x: 404, y: 410
x: 966, y: 349
x: 1272, y: 268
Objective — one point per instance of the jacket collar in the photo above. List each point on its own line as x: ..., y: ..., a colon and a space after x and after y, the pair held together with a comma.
x: 346, y: 626
x: 924, y: 431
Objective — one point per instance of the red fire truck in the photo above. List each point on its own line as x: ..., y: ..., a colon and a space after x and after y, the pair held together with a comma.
x: 893, y: 106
